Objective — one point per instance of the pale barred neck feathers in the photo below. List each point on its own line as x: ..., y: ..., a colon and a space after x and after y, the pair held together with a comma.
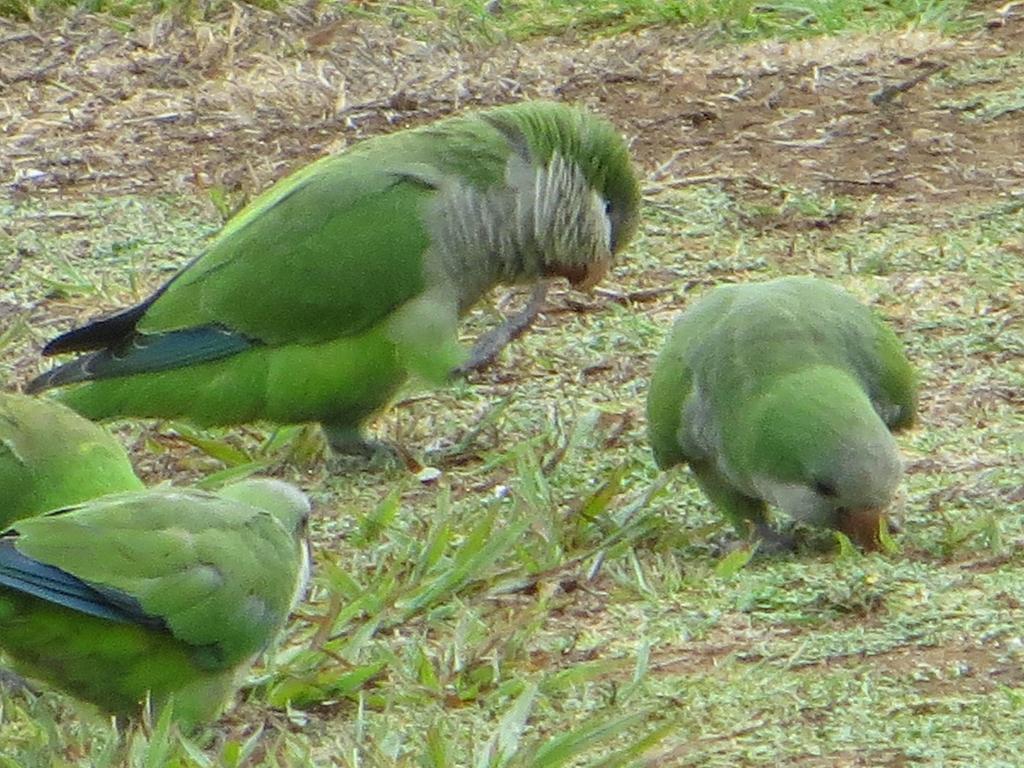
x: 543, y: 221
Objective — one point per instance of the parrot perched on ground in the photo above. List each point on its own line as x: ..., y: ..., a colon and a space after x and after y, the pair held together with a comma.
x: 167, y: 592
x: 317, y: 300
x: 785, y: 393
x: 51, y: 457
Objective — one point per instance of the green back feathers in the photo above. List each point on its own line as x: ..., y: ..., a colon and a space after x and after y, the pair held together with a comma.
x: 302, y: 264
x: 790, y: 324
x: 51, y: 457
x: 741, y: 339
x: 219, y: 572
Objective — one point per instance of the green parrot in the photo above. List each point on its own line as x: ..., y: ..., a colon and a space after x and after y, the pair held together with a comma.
x: 168, y: 593
x: 785, y: 393
x: 317, y: 300
x: 51, y: 457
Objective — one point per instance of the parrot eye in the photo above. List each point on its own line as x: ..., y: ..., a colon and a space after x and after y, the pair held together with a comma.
x: 825, y: 489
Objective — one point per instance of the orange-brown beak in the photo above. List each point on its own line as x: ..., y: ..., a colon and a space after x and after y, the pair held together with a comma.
x: 863, y: 527
x: 585, y: 277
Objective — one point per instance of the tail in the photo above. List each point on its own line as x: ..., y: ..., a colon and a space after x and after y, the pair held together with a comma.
x: 45, y: 582
x: 139, y: 353
x: 98, y: 334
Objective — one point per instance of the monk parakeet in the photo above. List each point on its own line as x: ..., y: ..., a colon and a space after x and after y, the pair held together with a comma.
x: 51, y: 457
x: 784, y: 393
x: 166, y: 592
x: 317, y: 300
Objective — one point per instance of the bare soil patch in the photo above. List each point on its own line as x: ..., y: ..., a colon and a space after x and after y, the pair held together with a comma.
x: 90, y: 109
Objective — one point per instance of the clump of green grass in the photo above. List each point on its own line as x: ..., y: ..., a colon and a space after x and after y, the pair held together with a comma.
x: 552, y: 600
x: 988, y: 104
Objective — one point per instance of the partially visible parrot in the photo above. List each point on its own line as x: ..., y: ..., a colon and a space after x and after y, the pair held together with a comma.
x: 51, y: 457
x: 317, y: 300
x: 784, y: 393
x: 166, y: 592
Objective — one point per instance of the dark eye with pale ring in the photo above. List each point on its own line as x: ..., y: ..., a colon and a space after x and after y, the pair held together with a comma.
x: 825, y: 489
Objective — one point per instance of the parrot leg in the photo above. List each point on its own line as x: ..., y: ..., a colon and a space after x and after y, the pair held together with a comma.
x: 349, y: 441
x: 748, y: 515
x: 488, y: 346
x: 13, y: 682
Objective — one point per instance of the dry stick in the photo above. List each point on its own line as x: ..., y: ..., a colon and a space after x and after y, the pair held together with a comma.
x: 887, y: 94
x: 487, y: 347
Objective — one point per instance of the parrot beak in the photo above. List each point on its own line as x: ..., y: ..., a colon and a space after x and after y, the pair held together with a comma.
x: 583, y: 278
x: 862, y: 526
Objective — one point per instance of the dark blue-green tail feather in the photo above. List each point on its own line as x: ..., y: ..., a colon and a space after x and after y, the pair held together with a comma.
x: 31, y: 577
x: 146, y: 353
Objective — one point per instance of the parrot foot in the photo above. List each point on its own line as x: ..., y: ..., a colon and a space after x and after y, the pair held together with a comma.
x: 13, y: 682
x: 490, y: 344
x: 772, y: 542
x: 350, y: 447
x: 769, y: 540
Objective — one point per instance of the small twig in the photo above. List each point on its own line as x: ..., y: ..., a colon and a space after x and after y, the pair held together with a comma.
x: 633, y: 297
x: 876, y: 181
x: 21, y: 38
x: 887, y: 94
x: 166, y: 117
x: 688, y: 181
x: 710, y: 178
x: 488, y: 346
x: 821, y: 141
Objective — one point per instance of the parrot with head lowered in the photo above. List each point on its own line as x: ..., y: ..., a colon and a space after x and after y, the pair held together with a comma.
x: 165, y: 595
x: 785, y: 393
x: 317, y: 299
x: 51, y: 457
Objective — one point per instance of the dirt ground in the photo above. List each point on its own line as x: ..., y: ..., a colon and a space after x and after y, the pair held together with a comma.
x: 89, y: 110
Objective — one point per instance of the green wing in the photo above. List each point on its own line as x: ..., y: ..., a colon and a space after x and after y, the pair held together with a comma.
x: 217, y: 573
x: 894, y: 377
x: 51, y: 457
x: 671, y: 399
x: 328, y: 252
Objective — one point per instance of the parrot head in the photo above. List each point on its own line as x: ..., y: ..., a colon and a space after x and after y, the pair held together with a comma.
x: 575, y: 173
x: 289, y: 506
x: 853, y: 483
x: 822, y: 454
x: 286, y: 503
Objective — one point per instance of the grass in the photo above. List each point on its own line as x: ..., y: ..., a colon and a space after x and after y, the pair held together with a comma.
x: 519, y: 19
x: 549, y: 603
x: 551, y: 599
